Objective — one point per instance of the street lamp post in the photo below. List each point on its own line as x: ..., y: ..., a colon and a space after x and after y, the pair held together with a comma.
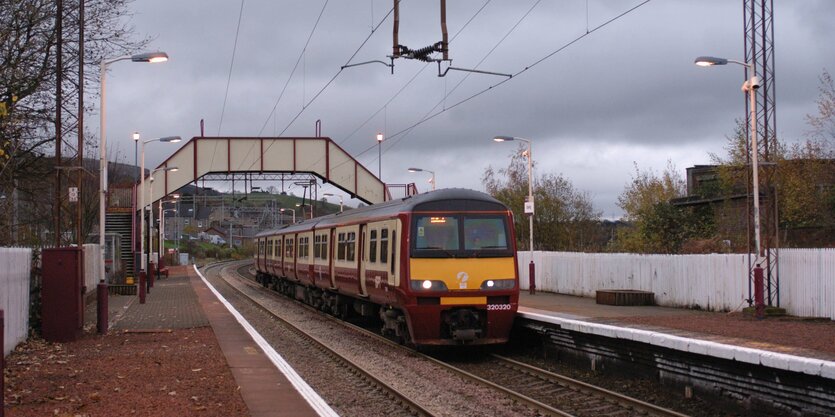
x: 432, y: 180
x: 151, y: 222
x: 750, y: 87
x: 151, y: 195
x: 171, y: 139
x: 380, y: 156
x: 334, y: 195
x: 291, y: 210
x: 162, y: 222
x: 152, y: 57
x: 529, y: 205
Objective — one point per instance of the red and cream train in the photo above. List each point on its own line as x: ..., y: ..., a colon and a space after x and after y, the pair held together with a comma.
x: 437, y: 268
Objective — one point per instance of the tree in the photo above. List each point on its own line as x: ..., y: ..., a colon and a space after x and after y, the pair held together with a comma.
x: 822, y: 125
x: 802, y: 175
x: 565, y: 218
x: 28, y: 80
x: 658, y: 226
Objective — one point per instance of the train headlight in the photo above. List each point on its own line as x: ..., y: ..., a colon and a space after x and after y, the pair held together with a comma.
x: 498, y: 284
x: 428, y: 285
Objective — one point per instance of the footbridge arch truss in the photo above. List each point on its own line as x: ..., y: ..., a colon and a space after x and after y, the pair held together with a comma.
x: 206, y: 157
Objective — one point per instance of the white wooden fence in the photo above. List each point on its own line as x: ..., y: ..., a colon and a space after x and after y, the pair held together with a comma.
x: 15, y: 271
x: 717, y: 282
x: 15, y: 276
x: 92, y: 265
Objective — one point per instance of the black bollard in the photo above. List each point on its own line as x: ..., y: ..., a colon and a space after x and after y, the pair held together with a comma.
x: 101, y: 293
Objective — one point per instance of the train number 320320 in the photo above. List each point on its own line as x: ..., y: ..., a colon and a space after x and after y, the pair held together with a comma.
x: 498, y: 307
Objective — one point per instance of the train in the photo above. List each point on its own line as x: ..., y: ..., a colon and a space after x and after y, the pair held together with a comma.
x: 437, y: 268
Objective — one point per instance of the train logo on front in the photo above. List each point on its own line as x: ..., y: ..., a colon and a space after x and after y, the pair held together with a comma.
x: 462, y: 278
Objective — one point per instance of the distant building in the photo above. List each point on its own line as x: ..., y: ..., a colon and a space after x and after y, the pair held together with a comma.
x: 731, y: 208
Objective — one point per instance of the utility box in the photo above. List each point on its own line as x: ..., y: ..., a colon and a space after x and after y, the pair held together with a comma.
x: 62, y: 294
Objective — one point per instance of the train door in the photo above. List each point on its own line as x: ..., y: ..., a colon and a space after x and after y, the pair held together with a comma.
x: 362, y: 258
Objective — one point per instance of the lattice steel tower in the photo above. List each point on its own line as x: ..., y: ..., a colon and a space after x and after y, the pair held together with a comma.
x: 758, y: 23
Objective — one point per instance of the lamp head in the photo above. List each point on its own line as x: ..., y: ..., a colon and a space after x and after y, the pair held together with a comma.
x: 415, y: 170
x: 135, y: 136
x: 503, y: 138
x: 327, y: 195
x: 152, y: 57
x: 709, y: 61
x: 379, y: 137
x: 172, y: 139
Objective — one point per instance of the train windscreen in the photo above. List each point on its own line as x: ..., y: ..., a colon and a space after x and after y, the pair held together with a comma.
x: 460, y: 235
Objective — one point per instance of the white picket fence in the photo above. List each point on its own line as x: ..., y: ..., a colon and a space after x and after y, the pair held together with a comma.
x: 717, y: 282
x: 15, y: 271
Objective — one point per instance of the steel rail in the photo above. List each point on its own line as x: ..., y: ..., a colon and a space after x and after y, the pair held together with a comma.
x: 623, y: 400
x: 398, y: 396
x: 530, y: 402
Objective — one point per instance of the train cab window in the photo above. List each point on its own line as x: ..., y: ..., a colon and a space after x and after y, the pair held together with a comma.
x: 372, y: 247
x: 384, y: 246
x: 436, y: 233
x: 484, y: 233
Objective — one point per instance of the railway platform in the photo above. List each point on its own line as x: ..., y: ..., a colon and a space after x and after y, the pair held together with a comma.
x: 677, y: 327
x: 185, y: 301
x: 782, y: 365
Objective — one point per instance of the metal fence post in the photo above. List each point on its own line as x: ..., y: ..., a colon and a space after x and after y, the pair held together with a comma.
x: 2, y: 363
x: 101, y: 304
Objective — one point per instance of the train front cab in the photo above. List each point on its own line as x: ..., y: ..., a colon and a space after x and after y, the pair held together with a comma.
x: 462, y: 280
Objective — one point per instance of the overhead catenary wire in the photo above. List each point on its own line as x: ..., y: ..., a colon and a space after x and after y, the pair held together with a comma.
x: 315, y: 96
x: 446, y: 94
x: 404, y: 132
x: 298, y: 60
x: 231, y: 65
x: 414, y: 77
x: 325, y: 87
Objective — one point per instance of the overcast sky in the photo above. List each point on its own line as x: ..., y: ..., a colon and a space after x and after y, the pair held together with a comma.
x: 626, y: 93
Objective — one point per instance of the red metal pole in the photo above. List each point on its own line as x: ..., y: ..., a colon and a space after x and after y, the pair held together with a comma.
x: 532, y: 276
x: 151, y: 276
x: 101, y: 293
x: 758, y: 292
x: 142, y: 287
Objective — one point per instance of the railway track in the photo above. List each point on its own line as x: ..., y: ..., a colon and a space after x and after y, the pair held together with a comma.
x: 545, y: 393
x: 568, y: 395
x: 386, y: 399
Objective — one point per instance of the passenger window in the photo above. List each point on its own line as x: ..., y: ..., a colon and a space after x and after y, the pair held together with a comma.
x: 393, y: 249
x: 340, y: 248
x: 384, y: 246
x: 351, y: 246
x: 325, y: 247
x: 372, y: 248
